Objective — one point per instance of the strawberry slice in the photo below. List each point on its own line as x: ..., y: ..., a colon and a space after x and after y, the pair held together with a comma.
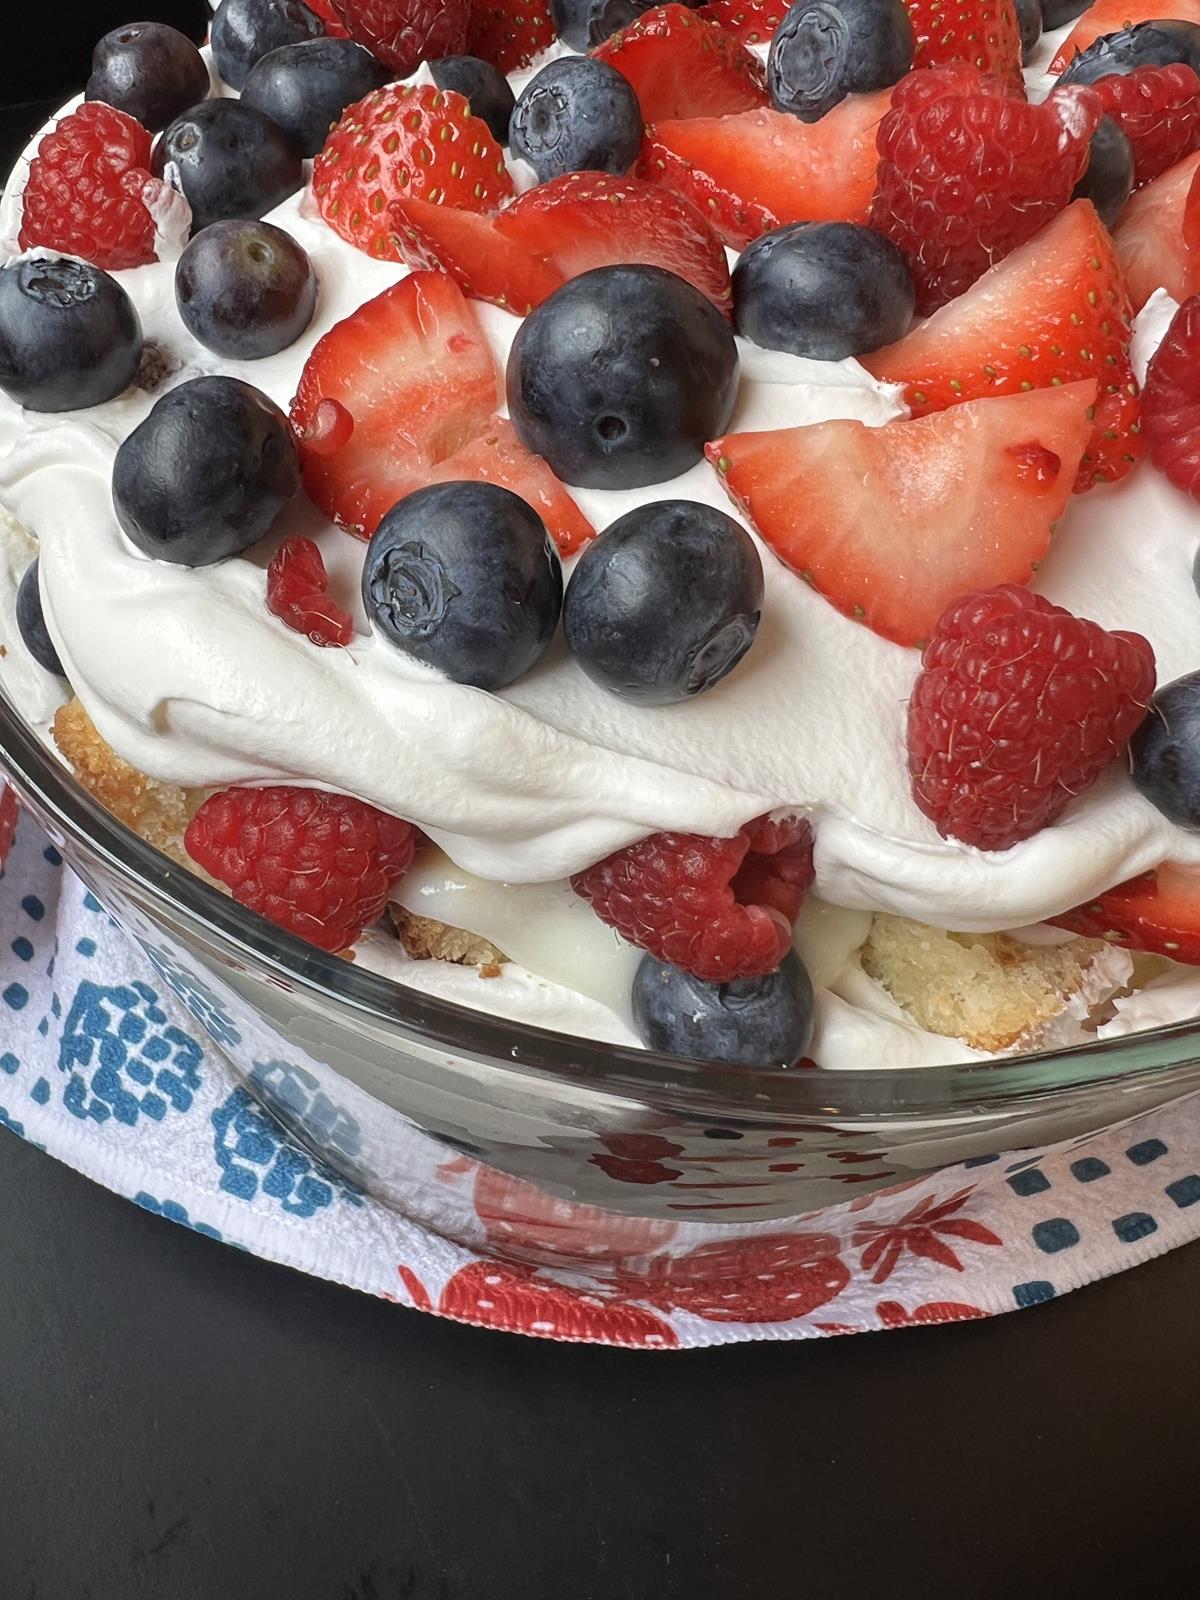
x: 684, y: 66
x: 1158, y: 235
x: 751, y: 172
x: 398, y: 387
x: 592, y: 219
x: 983, y: 32
x: 1159, y: 912
x: 1055, y: 310
x: 484, y: 262
x: 891, y: 524
x: 1111, y: 16
x: 510, y: 35
x: 751, y: 21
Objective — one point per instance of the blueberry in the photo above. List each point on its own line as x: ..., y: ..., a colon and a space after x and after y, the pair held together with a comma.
x: 577, y: 115
x: 1146, y: 44
x: 306, y: 87
x: 583, y: 23
x: 822, y: 289
x: 752, y: 1022
x: 1056, y: 13
x: 665, y: 603
x: 621, y: 377
x: 824, y: 50
x: 1029, y: 21
x: 149, y: 70
x: 245, y: 289
x: 31, y: 624
x: 464, y: 577
x: 69, y: 335
x: 206, y: 474
x: 483, y: 85
x: 1165, y: 752
x: 230, y: 160
x: 243, y: 31
x: 1108, y: 177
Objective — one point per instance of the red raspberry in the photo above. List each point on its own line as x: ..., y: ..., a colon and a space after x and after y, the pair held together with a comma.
x: 968, y: 172
x: 319, y: 865
x: 403, y: 33
x: 1158, y: 110
x: 8, y: 820
x: 1019, y: 706
x: 297, y: 594
x: 719, y: 908
x: 85, y: 194
x: 1171, y: 401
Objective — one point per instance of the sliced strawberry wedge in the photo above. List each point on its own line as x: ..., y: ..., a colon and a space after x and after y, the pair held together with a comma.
x: 684, y: 66
x: 891, y: 524
x: 1158, y: 235
x: 484, y: 262
x: 1111, y: 16
x: 1159, y: 912
x: 591, y: 219
x: 398, y: 387
x: 750, y: 173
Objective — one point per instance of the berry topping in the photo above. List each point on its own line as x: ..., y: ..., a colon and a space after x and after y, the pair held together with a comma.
x: 69, y: 335
x: 983, y: 33
x: 1158, y: 110
x: 463, y: 577
x: 316, y: 864
x: 1108, y: 177
x: 722, y: 909
x: 306, y: 88
x: 206, y: 474
x: 1159, y: 912
x: 1104, y: 41
x: 484, y: 262
x: 245, y: 289
x: 822, y: 289
x: 243, y: 31
x: 330, y: 17
x: 682, y: 66
x: 1164, y: 754
x: 298, y: 594
x: 665, y: 603
x: 750, y: 1022
x: 1158, y: 236
x: 31, y: 623
x: 403, y: 33
x: 1171, y: 401
x: 577, y: 115
x: 968, y: 172
x: 509, y: 33
x: 1054, y: 311
x: 752, y: 21
x: 584, y: 23
x: 749, y: 173
x: 891, y: 524
x: 482, y: 86
x: 827, y: 49
x: 89, y: 189
x: 1018, y: 708
x: 620, y: 376
x: 230, y: 161
x: 149, y: 71
x: 405, y: 142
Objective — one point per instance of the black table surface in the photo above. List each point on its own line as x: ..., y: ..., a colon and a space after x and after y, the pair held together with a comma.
x: 183, y: 1422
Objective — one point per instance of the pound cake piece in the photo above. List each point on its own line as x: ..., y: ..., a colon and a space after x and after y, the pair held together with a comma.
x: 989, y: 989
x: 426, y: 939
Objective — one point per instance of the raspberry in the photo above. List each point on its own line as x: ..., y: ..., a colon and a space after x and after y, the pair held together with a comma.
x: 968, y: 172
x: 319, y: 865
x: 1171, y: 401
x: 1019, y: 706
x: 86, y: 194
x: 719, y: 908
x: 1158, y: 109
x: 297, y: 594
x: 403, y: 33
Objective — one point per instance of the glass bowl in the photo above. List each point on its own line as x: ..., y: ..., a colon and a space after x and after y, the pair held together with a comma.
x: 366, y: 1072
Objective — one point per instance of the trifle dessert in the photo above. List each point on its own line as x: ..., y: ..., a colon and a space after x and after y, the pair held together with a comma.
x: 674, y: 525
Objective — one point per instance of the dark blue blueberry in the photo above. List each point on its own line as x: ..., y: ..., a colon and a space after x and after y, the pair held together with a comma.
x: 1057, y: 13
x: 621, y: 376
x: 69, y: 335
x: 753, y: 1022
x: 229, y: 160
x: 1146, y: 44
x: 32, y: 624
x: 822, y: 289
x: 1165, y: 752
x: 1108, y: 177
x: 149, y: 70
x: 1029, y: 21
x: 824, y: 50
x: 464, y: 577
x: 583, y: 23
x: 665, y: 602
x: 483, y: 85
x: 577, y: 115
x: 245, y: 289
x: 306, y: 87
x: 243, y: 31
x: 206, y: 474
